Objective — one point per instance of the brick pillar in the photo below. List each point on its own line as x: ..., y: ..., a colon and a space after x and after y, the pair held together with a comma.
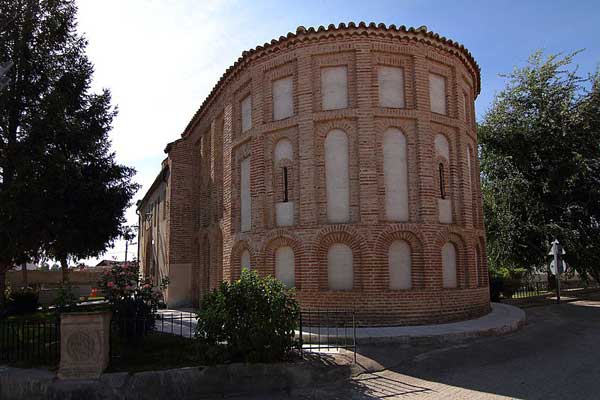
x: 307, y: 199
x: 367, y: 137
x: 227, y: 225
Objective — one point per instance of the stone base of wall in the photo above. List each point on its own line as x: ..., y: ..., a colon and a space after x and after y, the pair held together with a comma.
x: 181, y: 384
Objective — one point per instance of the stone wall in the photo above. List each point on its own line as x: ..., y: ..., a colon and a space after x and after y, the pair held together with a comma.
x: 344, y: 184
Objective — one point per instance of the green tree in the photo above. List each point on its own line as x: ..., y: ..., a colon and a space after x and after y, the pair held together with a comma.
x: 540, y: 163
x: 62, y: 192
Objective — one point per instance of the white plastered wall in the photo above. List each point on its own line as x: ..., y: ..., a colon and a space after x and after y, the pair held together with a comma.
x: 179, y: 291
x: 284, y: 211
x: 337, y: 176
x: 246, y: 110
x: 334, y: 87
x: 246, y: 207
x: 391, y: 87
x: 437, y: 93
x: 442, y: 148
x: 283, y: 98
x: 245, y: 260
x: 284, y: 265
x: 395, y: 169
x: 340, y: 269
x: 449, y: 265
x: 399, y: 261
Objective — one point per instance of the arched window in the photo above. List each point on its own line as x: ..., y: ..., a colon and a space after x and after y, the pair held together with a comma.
x: 340, y: 270
x: 283, y: 150
x: 449, y: 265
x: 442, y: 150
x: 245, y: 196
x: 282, y: 157
x: 399, y: 262
x: 284, y: 265
x: 442, y: 181
x: 337, y: 176
x: 245, y: 260
x: 395, y: 173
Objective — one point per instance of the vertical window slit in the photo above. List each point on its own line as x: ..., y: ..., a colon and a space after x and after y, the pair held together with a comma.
x: 285, y: 185
x: 442, y: 185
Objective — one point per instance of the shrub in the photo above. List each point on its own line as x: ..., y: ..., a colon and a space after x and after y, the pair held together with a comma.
x: 505, y: 281
x: 66, y: 301
x: 24, y: 301
x: 252, y: 319
x: 133, y: 302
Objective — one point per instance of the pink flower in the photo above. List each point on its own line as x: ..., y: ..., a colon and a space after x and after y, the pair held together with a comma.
x: 110, y: 284
x: 146, y: 286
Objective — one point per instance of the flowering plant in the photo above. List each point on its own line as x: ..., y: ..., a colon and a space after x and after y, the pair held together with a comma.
x: 133, y: 300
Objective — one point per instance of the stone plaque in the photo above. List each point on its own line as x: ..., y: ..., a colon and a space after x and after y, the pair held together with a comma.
x: 84, y: 344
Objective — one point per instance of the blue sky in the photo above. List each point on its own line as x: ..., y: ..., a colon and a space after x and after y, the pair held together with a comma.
x: 161, y: 58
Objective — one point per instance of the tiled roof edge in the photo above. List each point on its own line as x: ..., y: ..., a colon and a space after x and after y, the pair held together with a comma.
x: 303, y: 33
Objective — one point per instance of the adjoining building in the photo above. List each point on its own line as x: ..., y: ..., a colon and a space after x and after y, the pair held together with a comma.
x: 342, y: 161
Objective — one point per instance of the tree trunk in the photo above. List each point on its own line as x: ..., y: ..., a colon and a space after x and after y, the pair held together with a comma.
x: 2, y: 288
x: 65, y: 269
x: 24, y: 276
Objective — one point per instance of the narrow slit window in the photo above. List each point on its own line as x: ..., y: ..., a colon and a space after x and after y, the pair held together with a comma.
x: 442, y: 185
x: 285, y: 185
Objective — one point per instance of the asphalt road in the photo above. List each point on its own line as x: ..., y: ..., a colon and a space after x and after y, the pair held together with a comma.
x: 556, y: 355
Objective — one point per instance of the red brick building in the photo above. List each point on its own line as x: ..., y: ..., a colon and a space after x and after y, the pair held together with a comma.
x: 341, y: 160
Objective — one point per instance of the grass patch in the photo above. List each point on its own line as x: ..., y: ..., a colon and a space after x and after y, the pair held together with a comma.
x: 154, y: 352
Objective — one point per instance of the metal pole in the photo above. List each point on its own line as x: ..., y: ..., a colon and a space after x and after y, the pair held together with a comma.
x: 557, y: 249
x: 126, y: 248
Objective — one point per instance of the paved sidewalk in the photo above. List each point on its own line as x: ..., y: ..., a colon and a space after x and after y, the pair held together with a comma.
x: 502, y: 319
x: 177, y: 322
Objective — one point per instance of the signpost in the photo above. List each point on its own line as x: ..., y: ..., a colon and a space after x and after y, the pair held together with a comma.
x: 557, y: 266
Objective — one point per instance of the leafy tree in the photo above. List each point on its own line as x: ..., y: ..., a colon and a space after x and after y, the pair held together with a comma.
x: 540, y: 162
x: 61, y: 191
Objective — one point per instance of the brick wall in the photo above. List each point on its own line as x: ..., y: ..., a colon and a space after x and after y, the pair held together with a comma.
x: 204, y: 192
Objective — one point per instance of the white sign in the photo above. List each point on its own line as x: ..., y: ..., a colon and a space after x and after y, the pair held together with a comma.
x: 563, y: 267
x: 555, y: 245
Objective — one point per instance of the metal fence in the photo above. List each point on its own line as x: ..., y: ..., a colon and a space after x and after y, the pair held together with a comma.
x: 127, y: 334
x: 532, y: 289
x: 327, y: 330
x: 319, y: 331
x: 34, y: 341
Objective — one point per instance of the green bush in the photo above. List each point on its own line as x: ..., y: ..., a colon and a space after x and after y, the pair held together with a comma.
x: 66, y: 301
x: 252, y: 319
x: 24, y: 301
x: 133, y: 301
x: 505, y: 281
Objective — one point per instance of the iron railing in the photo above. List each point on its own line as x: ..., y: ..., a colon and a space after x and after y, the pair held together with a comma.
x: 319, y: 331
x: 127, y: 333
x: 30, y: 341
x: 324, y: 331
x: 533, y: 289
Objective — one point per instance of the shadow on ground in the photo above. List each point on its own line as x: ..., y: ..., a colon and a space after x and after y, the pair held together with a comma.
x: 554, y: 356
